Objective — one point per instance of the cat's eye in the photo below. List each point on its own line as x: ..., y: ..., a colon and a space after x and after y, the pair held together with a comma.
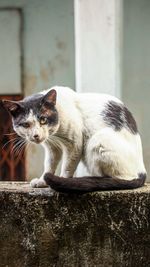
x: 25, y: 125
x: 43, y: 120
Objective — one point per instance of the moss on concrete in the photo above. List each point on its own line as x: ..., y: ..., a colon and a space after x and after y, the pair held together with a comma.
x: 43, y: 229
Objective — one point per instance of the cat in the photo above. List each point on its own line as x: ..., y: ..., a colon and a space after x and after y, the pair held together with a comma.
x: 96, y: 129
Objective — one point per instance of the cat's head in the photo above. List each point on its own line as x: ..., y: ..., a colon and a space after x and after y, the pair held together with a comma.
x: 34, y: 118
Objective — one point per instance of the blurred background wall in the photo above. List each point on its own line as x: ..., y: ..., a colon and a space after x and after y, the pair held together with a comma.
x: 89, y: 45
x: 37, y: 43
x: 136, y: 67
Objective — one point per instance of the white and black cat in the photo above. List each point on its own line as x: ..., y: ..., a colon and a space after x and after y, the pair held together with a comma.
x: 96, y: 129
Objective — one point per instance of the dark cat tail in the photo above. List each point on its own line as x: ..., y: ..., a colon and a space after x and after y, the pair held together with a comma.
x: 90, y: 184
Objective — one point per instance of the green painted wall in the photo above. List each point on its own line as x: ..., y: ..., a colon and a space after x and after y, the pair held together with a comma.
x: 48, y: 53
x: 48, y: 44
x: 136, y: 66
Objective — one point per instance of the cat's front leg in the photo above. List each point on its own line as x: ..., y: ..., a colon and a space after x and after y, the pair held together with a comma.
x: 52, y: 158
x: 70, y: 162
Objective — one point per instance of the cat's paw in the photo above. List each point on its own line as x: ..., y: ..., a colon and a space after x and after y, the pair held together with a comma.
x: 38, y: 183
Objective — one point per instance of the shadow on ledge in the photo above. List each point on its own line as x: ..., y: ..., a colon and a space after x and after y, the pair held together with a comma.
x: 42, y: 229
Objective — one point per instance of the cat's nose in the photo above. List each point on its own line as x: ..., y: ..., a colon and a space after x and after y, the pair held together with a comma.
x: 36, y: 137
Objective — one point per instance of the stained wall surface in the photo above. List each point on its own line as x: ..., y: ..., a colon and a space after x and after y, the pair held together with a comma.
x: 136, y: 66
x: 41, y: 53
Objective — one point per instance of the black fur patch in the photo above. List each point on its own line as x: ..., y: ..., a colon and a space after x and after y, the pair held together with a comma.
x: 28, y: 103
x: 49, y: 111
x: 39, y: 108
x: 118, y: 116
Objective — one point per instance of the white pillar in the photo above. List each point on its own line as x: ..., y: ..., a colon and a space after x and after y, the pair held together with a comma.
x: 98, y: 45
x: 98, y: 25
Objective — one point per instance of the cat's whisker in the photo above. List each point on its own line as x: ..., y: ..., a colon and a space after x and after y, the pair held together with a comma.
x: 9, y: 134
x: 12, y: 140
x: 24, y: 147
x: 16, y: 147
x: 21, y: 150
x: 19, y: 147
x: 14, y: 151
x: 17, y: 142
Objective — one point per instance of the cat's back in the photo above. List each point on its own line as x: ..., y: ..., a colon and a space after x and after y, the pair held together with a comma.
x: 102, y: 110
x: 94, y: 111
x: 64, y: 93
x: 83, y: 100
x: 94, y: 103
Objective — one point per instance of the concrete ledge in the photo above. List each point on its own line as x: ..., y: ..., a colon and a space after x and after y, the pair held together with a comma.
x: 41, y: 229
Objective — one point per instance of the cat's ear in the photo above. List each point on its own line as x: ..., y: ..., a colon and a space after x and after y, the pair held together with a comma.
x: 51, y: 97
x: 13, y: 107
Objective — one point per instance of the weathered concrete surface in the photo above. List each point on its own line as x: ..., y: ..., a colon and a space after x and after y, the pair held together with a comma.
x: 105, y: 229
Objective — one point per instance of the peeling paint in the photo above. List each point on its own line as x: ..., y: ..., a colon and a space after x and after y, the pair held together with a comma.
x: 61, y: 45
x: 30, y: 82
x: 44, y: 74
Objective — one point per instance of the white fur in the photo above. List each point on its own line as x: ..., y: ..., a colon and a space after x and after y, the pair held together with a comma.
x: 82, y: 135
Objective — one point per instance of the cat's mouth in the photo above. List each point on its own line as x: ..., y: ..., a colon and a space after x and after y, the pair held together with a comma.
x: 37, y: 140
